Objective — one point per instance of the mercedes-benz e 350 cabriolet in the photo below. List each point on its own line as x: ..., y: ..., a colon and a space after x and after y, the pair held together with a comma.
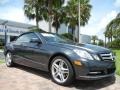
x: 63, y: 59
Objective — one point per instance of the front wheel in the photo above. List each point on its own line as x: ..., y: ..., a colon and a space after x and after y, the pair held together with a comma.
x: 8, y: 59
x: 61, y: 71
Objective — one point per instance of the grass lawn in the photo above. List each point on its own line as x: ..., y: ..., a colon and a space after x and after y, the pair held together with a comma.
x: 117, y: 61
x: 1, y: 61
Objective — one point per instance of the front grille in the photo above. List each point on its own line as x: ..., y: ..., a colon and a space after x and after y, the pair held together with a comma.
x: 107, y: 56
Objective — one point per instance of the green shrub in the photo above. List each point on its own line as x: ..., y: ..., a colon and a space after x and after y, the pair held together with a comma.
x: 101, y: 43
x: 1, y: 47
x: 69, y: 36
x: 37, y: 30
x: 114, y: 44
x: 1, y: 44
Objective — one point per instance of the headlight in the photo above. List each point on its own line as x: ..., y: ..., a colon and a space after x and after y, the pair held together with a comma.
x: 114, y: 55
x: 83, y: 54
x: 96, y: 57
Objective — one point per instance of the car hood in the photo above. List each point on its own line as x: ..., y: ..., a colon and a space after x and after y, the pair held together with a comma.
x: 87, y: 47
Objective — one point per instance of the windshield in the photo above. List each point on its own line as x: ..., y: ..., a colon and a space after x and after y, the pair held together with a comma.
x: 55, y: 38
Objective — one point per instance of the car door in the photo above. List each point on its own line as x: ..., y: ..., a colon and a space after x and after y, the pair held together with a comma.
x: 35, y: 52
x: 28, y: 53
x: 21, y: 49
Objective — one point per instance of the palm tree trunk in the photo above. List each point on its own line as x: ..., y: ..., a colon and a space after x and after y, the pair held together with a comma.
x: 50, y: 13
x: 37, y: 21
x: 78, y: 36
x: 111, y: 39
x: 73, y: 33
x: 105, y: 42
x: 56, y: 29
x: 50, y: 26
x: 94, y: 41
x: 108, y: 39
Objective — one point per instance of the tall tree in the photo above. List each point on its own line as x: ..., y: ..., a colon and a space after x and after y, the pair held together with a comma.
x: 31, y: 10
x: 113, y: 28
x: 85, y: 9
x: 51, y: 15
x: 94, y: 38
x: 42, y: 9
x: 57, y: 19
x: 71, y: 17
x: 54, y: 12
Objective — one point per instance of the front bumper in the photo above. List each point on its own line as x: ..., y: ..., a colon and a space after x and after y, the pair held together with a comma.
x: 92, y: 70
x: 87, y: 77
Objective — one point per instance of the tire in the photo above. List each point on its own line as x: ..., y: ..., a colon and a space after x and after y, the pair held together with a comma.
x: 61, y: 71
x: 9, y: 59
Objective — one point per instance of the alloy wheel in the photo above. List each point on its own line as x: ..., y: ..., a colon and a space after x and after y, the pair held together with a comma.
x: 60, y: 70
x: 8, y: 59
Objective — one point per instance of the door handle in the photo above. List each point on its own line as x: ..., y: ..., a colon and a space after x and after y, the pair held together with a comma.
x: 23, y: 45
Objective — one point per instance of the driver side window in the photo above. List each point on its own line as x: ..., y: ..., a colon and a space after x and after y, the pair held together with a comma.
x: 26, y: 37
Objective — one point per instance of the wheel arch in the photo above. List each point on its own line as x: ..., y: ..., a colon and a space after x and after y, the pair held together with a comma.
x: 59, y: 54
x: 6, y: 52
x: 8, y: 48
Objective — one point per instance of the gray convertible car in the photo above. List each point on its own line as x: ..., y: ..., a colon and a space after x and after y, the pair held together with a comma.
x: 63, y: 59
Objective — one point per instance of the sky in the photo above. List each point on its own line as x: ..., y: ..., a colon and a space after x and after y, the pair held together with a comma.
x: 102, y: 12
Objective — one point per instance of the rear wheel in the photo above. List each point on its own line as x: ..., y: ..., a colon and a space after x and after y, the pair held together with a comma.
x: 61, y: 71
x: 8, y: 59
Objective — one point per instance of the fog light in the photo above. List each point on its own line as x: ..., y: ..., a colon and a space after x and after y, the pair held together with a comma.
x: 94, y: 72
x: 77, y: 63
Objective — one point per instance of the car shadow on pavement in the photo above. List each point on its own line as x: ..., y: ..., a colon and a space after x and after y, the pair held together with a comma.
x: 78, y: 84
x: 34, y: 71
x: 93, y: 84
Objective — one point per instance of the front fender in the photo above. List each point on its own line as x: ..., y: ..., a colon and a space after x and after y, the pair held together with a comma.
x: 8, y: 47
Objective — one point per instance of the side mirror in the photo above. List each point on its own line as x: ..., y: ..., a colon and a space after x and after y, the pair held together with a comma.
x: 35, y: 40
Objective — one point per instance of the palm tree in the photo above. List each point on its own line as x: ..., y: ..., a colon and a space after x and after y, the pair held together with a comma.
x: 85, y: 9
x: 71, y: 17
x: 41, y: 9
x: 57, y: 19
x: 50, y: 10
x: 109, y: 35
x: 50, y: 6
x: 94, y: 38
x: 31, y: 10
x: 113, y: 28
